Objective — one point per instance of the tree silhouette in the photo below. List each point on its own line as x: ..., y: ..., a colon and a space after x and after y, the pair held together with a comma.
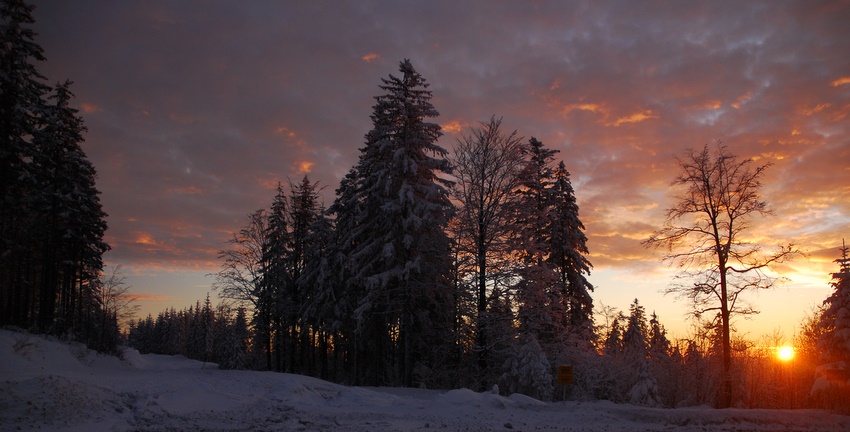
x: 704, y: 234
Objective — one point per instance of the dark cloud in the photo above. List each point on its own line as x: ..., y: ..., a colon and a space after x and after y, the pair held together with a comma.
x: 196, y: 109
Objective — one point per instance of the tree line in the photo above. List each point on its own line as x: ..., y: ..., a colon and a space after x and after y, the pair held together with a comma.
x: 51, y: 220
x: 211, y: 334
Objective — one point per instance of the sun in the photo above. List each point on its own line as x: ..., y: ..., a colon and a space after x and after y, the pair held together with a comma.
x: 785, y: 353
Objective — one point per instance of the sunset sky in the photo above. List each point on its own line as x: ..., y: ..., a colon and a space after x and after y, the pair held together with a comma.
x: 196, y: 110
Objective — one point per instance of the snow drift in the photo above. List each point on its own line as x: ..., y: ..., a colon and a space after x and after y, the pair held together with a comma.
x: 51, y: 385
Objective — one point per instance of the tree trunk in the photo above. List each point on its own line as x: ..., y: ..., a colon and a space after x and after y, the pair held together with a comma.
x: 482, y: 309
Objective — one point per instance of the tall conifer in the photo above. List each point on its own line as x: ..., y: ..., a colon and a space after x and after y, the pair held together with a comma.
x: 399, y: 250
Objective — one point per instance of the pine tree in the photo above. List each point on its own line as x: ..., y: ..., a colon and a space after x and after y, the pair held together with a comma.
x: 542, y: 309
x: 278, y: 289
x: 73, y: 220
x: 613, y: 345
x: 321, y: 296
x: 553, y: 247
x: 528, y: 371
x: 51, y: 220
x: 399, y: 250
x: 662, y: 362
x: 231, y: 334
x: 658, y: 344
x: 636, y: 334
x: 536, y: 199
x: 304, y: 213
x: 645, y: 390
x: 834, y: 341
x: 22, y: 93
x: 569, y: 255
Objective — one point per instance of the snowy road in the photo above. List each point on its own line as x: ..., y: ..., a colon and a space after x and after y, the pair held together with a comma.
x: 47, y: 385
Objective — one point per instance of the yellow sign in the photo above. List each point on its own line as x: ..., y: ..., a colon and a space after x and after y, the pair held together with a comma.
x: 565, y: 374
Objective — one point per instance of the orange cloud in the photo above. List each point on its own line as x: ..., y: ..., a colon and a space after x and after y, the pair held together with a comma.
x: 145, y: 239
x: 816, y: 109
x: 713, y: 104
x: 841, y: 81
x: 284, y: 131
x: 368, y: 58
x: 89, y: 108
x: 453, y: 126
x: 591, y: 107
x: 744, y: 98
x: 634, y: 118
x: 304, y: 167
x: 269, y: 183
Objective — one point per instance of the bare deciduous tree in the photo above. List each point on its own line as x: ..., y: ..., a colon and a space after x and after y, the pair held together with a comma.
x: 706, y: 235
x: 487, y: 165
x: 242, y: 275
x: 114, y: 296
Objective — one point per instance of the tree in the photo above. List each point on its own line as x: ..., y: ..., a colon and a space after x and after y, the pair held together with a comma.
x: 304, y: 214
x: 278, y: 288
x: 114, y: 295
x: 540, y: 294
x: 242, y: 276
x: 569, y: 255
x: 51, y: 221
x: 396, y: 245
x: 834, y: 328
x: 635, y: 338
x: 527, y: 371
x: 488, y: 164
x: 22, y: 93
x: 658, y: 344
x: 705, y: 234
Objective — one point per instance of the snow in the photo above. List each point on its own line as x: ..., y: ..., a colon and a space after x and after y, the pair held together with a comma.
x: 46, y: 384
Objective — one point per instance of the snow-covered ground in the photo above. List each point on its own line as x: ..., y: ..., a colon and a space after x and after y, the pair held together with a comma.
x: 49, y: 385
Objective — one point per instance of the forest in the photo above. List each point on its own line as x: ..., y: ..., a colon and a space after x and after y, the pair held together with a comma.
x: 430, y: 268
x: 51, y: 220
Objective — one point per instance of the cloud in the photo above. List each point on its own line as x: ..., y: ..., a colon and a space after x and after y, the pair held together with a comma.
x: 841, y: 81
x: 368, y: 58
x: 635, y: 118
x: 89, y: 108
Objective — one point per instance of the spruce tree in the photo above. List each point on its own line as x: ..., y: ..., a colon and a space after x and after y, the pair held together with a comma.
x: 51, y: 220
x: 304, y: 213
x: 568, y: 255
x: 637, y: 332
x: 73, y: 221
x: 399, y: 250
x: 528, y: 371
x: 834, y: 341
x: 279, y: 289
x: 542, y: 309
x: 22, y: 93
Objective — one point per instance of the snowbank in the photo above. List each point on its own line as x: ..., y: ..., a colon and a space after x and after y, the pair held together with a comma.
x: 50, y: 385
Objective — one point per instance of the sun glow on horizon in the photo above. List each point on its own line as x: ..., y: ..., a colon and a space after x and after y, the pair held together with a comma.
x: 785, y: 353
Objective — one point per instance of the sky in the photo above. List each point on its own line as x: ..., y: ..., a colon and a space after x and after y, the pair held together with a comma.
x: 195, y: 110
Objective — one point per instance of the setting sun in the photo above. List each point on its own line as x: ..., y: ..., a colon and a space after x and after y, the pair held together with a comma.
x: 785, y: 353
